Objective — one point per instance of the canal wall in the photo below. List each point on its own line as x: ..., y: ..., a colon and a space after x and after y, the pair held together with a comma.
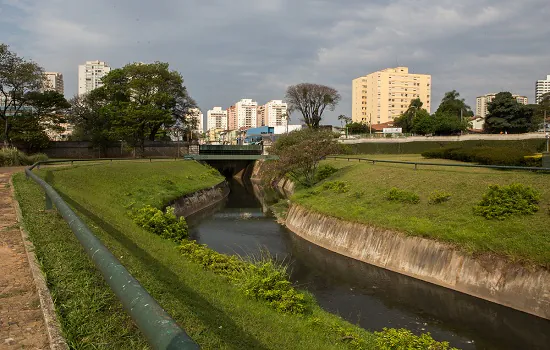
x: 489, y: 278
x: 200, y: 200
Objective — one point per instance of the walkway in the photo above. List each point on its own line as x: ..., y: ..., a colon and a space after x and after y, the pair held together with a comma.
x: 21, y: 319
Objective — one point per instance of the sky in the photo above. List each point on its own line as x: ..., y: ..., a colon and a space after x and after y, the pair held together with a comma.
x: 232, y: 49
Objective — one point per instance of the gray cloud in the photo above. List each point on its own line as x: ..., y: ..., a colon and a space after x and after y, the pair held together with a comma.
x: 229, y: 50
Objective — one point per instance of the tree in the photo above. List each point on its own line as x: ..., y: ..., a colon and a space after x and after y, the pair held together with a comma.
x: 344, y: 120
x: 143, y: 100
x: 448, y: 123
x: 311, y: 100
x: 543, y: 108
x: 18, y: 77
x: 423, y: 123
x: 508, y: 115
x: 357, y: 128
x: 299, y: 155
x: 405, y: 120
x: 453, y: 104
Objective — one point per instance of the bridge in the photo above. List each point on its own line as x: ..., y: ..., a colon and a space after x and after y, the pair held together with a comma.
x: 230, y: 160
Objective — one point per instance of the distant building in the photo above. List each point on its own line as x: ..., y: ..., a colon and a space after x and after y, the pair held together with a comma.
x: 246, y: 112
x: 542, y: 87
x: 232, y: 118
x: 382, y: 96
x: 197, y: 115
x: 260, y: 116
x: 477, y: 123
x: 216, y: 118
x: 90, y: 75
x: 482, y: 103
x: 54, y: 81
x: 273, y: 113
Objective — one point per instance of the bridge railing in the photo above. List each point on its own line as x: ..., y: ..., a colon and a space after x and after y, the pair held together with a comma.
x: 160, y: 330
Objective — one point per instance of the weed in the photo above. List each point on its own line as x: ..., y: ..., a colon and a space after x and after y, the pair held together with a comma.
x: 438, y: 197
x: 397, y: 195
x: 500, y: 202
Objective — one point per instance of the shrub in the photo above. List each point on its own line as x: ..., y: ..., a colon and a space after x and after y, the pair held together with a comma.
x: 438, y: 197
x: 336, y: 186
x: 402, y: 196
x: 166, y: 225
x: 403, y: 339
x: 500, y: 202
x: 11, y: 156
x: 325, y: 171
x: 486, y: 155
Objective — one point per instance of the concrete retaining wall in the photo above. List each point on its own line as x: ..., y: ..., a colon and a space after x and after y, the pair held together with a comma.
x: 200, y: 200
x: 492, y: 279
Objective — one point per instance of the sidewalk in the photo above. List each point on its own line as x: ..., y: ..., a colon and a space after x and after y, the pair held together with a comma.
x: 21, y: 318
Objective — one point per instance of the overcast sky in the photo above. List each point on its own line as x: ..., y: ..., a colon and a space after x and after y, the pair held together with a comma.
x: 232, y: 49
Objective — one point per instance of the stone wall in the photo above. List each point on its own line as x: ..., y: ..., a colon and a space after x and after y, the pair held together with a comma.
x: 489, y: 278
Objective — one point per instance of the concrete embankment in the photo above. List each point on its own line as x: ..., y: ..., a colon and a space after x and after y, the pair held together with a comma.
x: 200, y: 200
x: 489, y: 278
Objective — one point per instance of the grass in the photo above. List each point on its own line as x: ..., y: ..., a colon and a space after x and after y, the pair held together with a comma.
x: 213, y: 312
x: 524, y: 239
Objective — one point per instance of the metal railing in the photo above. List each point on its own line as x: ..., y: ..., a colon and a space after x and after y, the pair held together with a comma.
x: 160, y: 330
x: 417, y: 164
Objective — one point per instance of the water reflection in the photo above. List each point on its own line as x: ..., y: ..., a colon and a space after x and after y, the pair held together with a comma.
x: 361, y: 293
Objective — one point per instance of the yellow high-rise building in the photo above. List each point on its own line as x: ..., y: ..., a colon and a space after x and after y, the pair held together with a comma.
x: 382, y: 96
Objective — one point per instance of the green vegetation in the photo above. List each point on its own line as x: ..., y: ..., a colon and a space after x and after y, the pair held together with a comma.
x: 163, y: 224
x: 519, y: 238
x: 438, y: 197
x: 506, y: 114
x: 391, y: 339
x: 500, y: 202
x: 487, y: 155
x: 325, y: 171
x: 11, y: 156
x: 402, y: 196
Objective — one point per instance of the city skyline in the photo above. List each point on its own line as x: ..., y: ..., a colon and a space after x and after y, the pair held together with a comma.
x: 470, y: 47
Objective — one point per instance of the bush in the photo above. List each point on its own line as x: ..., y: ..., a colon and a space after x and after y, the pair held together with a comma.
x: 166, y: 225
x: 500, y: 202
x: 262, y: 279
x: 486, y: 155
x: 438, y: 197
x: 11, y: 156
x: 403, y: 339
x: 402, y: 196
x: 324, y: 172
x: 336, y: 186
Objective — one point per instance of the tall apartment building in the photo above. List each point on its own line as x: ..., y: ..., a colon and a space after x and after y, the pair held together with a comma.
x: 382, y: 96
x: 196, y: 114
x: 90, y: 75
x: 232, y: 118
x: 482, y: 103
x: 261, y: 116
x: 542, y: 87
x: 273, y: 113
x: 246, y: 113
x: 216, y: 118
x: 53, y: 81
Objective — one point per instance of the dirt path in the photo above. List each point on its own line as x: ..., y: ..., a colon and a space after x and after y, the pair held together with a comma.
x: 21, y: 318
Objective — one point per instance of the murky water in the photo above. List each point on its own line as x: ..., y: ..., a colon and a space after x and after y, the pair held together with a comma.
x: 364, y: 294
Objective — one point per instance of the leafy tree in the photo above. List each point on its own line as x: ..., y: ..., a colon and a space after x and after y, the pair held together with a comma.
x: 18, y: 77
x: 543, y: 108
x: 423, y: 123
x: 299, y: 155
x: 343, y: 119
x: 311, y: 100
x: 508, y: 115
x: 448, y: 123
x: 405, y: 120
x: 357, y: 128
x: 453, y: 104
x: 141, y: 100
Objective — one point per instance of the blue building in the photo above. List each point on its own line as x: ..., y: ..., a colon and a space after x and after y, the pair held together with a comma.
x: 256, y: 135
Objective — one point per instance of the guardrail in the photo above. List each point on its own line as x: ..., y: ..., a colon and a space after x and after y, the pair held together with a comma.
x: 160, y: 330
x: 416, y: 164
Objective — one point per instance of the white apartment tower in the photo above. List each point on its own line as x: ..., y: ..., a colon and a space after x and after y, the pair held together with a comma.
x: 90, y: 75
x: 542, y: 87
x: 246, y: 113
x: 53, y: 81
x: 196, y: 114
x: 274, y: 112
x: 216, y: 118
x: 482, y: 103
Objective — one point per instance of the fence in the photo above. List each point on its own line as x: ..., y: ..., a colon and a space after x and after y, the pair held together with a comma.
x: 160, y: 330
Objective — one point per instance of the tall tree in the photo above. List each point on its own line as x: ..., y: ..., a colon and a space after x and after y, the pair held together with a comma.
x: 423, y: 123
x: 311, y: 100
x: 405, y: 120
x: 453, y: 104
x: 344, y: 119
x: 18, y: 77
x: 508, y: 115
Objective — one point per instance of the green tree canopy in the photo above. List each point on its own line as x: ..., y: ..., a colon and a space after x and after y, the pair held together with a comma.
x: 448, y: 123
x: 311, y: 100
x: 508, y: 115
x: 453, y: 104
x: 405, y: 120
x: 423, y: 123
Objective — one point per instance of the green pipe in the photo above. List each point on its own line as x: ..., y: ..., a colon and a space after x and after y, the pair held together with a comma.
x: 160, y: 330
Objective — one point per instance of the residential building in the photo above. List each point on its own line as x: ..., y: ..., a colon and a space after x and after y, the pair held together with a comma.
x: 260, y: 116
x: 382, y: 96
x: 542, y: 87
x: 90, y: 75
x: 196, y: 114
x: 477, y: 123
x: 216, y: 118
x: 54, y: 81
x: 246, y: 111
x: 482, y: 103
x: 274, y: 113
x: 232, y: 118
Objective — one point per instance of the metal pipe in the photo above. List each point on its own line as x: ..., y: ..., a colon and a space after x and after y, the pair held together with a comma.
x: 160, y: 330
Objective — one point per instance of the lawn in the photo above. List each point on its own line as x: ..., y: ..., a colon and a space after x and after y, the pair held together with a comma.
x: 213, y: 312
x: 523, y: 239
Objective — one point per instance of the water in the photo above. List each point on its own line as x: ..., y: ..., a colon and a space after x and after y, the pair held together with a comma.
x: 364, y: 294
